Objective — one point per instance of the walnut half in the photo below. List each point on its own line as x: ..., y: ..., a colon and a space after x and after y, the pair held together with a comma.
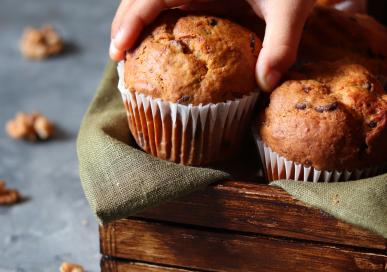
x: 71, y: 267
x: 8, y: 196
x: 32, y: 127
x: 40, y: 43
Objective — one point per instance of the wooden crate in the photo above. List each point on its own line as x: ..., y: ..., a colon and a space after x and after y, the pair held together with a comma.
x: 239, y: 226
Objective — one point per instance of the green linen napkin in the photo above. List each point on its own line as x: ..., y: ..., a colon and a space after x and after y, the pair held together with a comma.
x: 119, y: 180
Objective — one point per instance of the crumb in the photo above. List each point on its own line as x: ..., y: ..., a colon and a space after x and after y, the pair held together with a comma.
x: 85, y: 222
x: 336, y: 199
x: 8, y: 196
x: 40, y: 43
x: 32, y: 127
x: 71, y: 267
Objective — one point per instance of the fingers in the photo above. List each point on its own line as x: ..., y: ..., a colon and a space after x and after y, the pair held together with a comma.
x: 132, y: 18
x: 122, y: 8
x: 284, y: 24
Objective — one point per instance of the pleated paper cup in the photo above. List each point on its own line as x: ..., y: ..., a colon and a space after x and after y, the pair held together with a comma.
x: 278, y: 167
x: 187, y: 134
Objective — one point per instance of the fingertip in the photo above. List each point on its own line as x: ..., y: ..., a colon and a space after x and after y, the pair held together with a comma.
x: 269, y: 80
x: 114, y: 53
x: 266, y: 76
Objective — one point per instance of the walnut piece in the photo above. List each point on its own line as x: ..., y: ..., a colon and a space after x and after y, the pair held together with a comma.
x: 40, y: 43
x: 71, y: 267
x: 32, y: 127
x: 8, y: 196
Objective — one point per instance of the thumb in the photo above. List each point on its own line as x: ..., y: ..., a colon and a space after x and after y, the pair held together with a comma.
x: 284, y: 24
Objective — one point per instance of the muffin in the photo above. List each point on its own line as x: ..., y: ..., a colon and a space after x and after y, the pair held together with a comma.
x: 331, y: 35
x: 189, y: 87
x: 327, y: 122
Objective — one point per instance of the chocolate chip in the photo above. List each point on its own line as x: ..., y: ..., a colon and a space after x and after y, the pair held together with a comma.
x: 300, y: 106
x: 306, y: 89
x: 213, y: 22
x: 368, y: 86
x: 328, y: 107
x: 184, y: 99
x: 252, y: 41
x: 372, y: 124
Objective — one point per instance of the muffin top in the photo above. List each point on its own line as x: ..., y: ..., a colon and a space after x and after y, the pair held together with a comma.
x: 332, y: 35
x: 329, y: 115
x: 193, y: 59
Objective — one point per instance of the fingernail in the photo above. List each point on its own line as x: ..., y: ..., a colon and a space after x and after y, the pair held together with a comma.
x: 272, y: 79
x: 118, y: 38
x: 113, y: 50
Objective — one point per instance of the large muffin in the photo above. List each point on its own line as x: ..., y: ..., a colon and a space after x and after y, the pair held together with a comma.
x: 331, y: 116
x: 193, y: 59
x: 327, y: 120
x: 189, y: 87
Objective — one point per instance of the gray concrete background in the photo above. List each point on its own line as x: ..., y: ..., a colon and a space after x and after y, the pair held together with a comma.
x: 49, y: 227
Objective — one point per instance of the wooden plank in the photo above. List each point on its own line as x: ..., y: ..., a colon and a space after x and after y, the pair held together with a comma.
x: 259, y: 208
x: 223, y: 251
x: 114, y: 265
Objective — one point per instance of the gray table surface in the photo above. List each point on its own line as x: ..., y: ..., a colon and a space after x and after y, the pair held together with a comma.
x: 55, y: 223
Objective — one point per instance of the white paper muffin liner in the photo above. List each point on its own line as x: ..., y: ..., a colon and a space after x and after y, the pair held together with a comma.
x: 187, y: 134
x: 278, y: 167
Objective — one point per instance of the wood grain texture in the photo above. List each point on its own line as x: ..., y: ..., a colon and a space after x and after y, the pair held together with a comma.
x: 224, y: 251
x: 259, y: 208
x: 114, y: 265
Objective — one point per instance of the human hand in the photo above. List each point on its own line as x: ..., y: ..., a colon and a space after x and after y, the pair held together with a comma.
x: 284, y: 23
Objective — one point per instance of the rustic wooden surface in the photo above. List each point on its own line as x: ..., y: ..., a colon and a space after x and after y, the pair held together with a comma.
x: 114, y: 265
x: 217, y: 250
x: 259, y: 208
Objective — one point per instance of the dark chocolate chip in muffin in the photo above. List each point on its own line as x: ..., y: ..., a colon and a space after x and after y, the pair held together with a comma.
x: 306, y: 89
x: 184, y: 99
x: 213, y: 22
x: 328, y: 107
x: 252, y: 41
x: 372, y: 124
x: 300, y: 106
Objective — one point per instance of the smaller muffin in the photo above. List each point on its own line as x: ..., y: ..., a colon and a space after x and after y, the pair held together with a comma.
x: 189, y: 87
x: 328, y: 122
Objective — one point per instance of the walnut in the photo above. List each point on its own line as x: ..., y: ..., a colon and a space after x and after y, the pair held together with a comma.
x: 8, y: 196
x: 71, y: 267
x: 44, y: 129
x: 30, y: 127
x: 40, y: 43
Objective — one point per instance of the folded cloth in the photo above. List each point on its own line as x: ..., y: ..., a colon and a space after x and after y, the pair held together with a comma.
x: 359, y: 202
x: 120, y: 180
